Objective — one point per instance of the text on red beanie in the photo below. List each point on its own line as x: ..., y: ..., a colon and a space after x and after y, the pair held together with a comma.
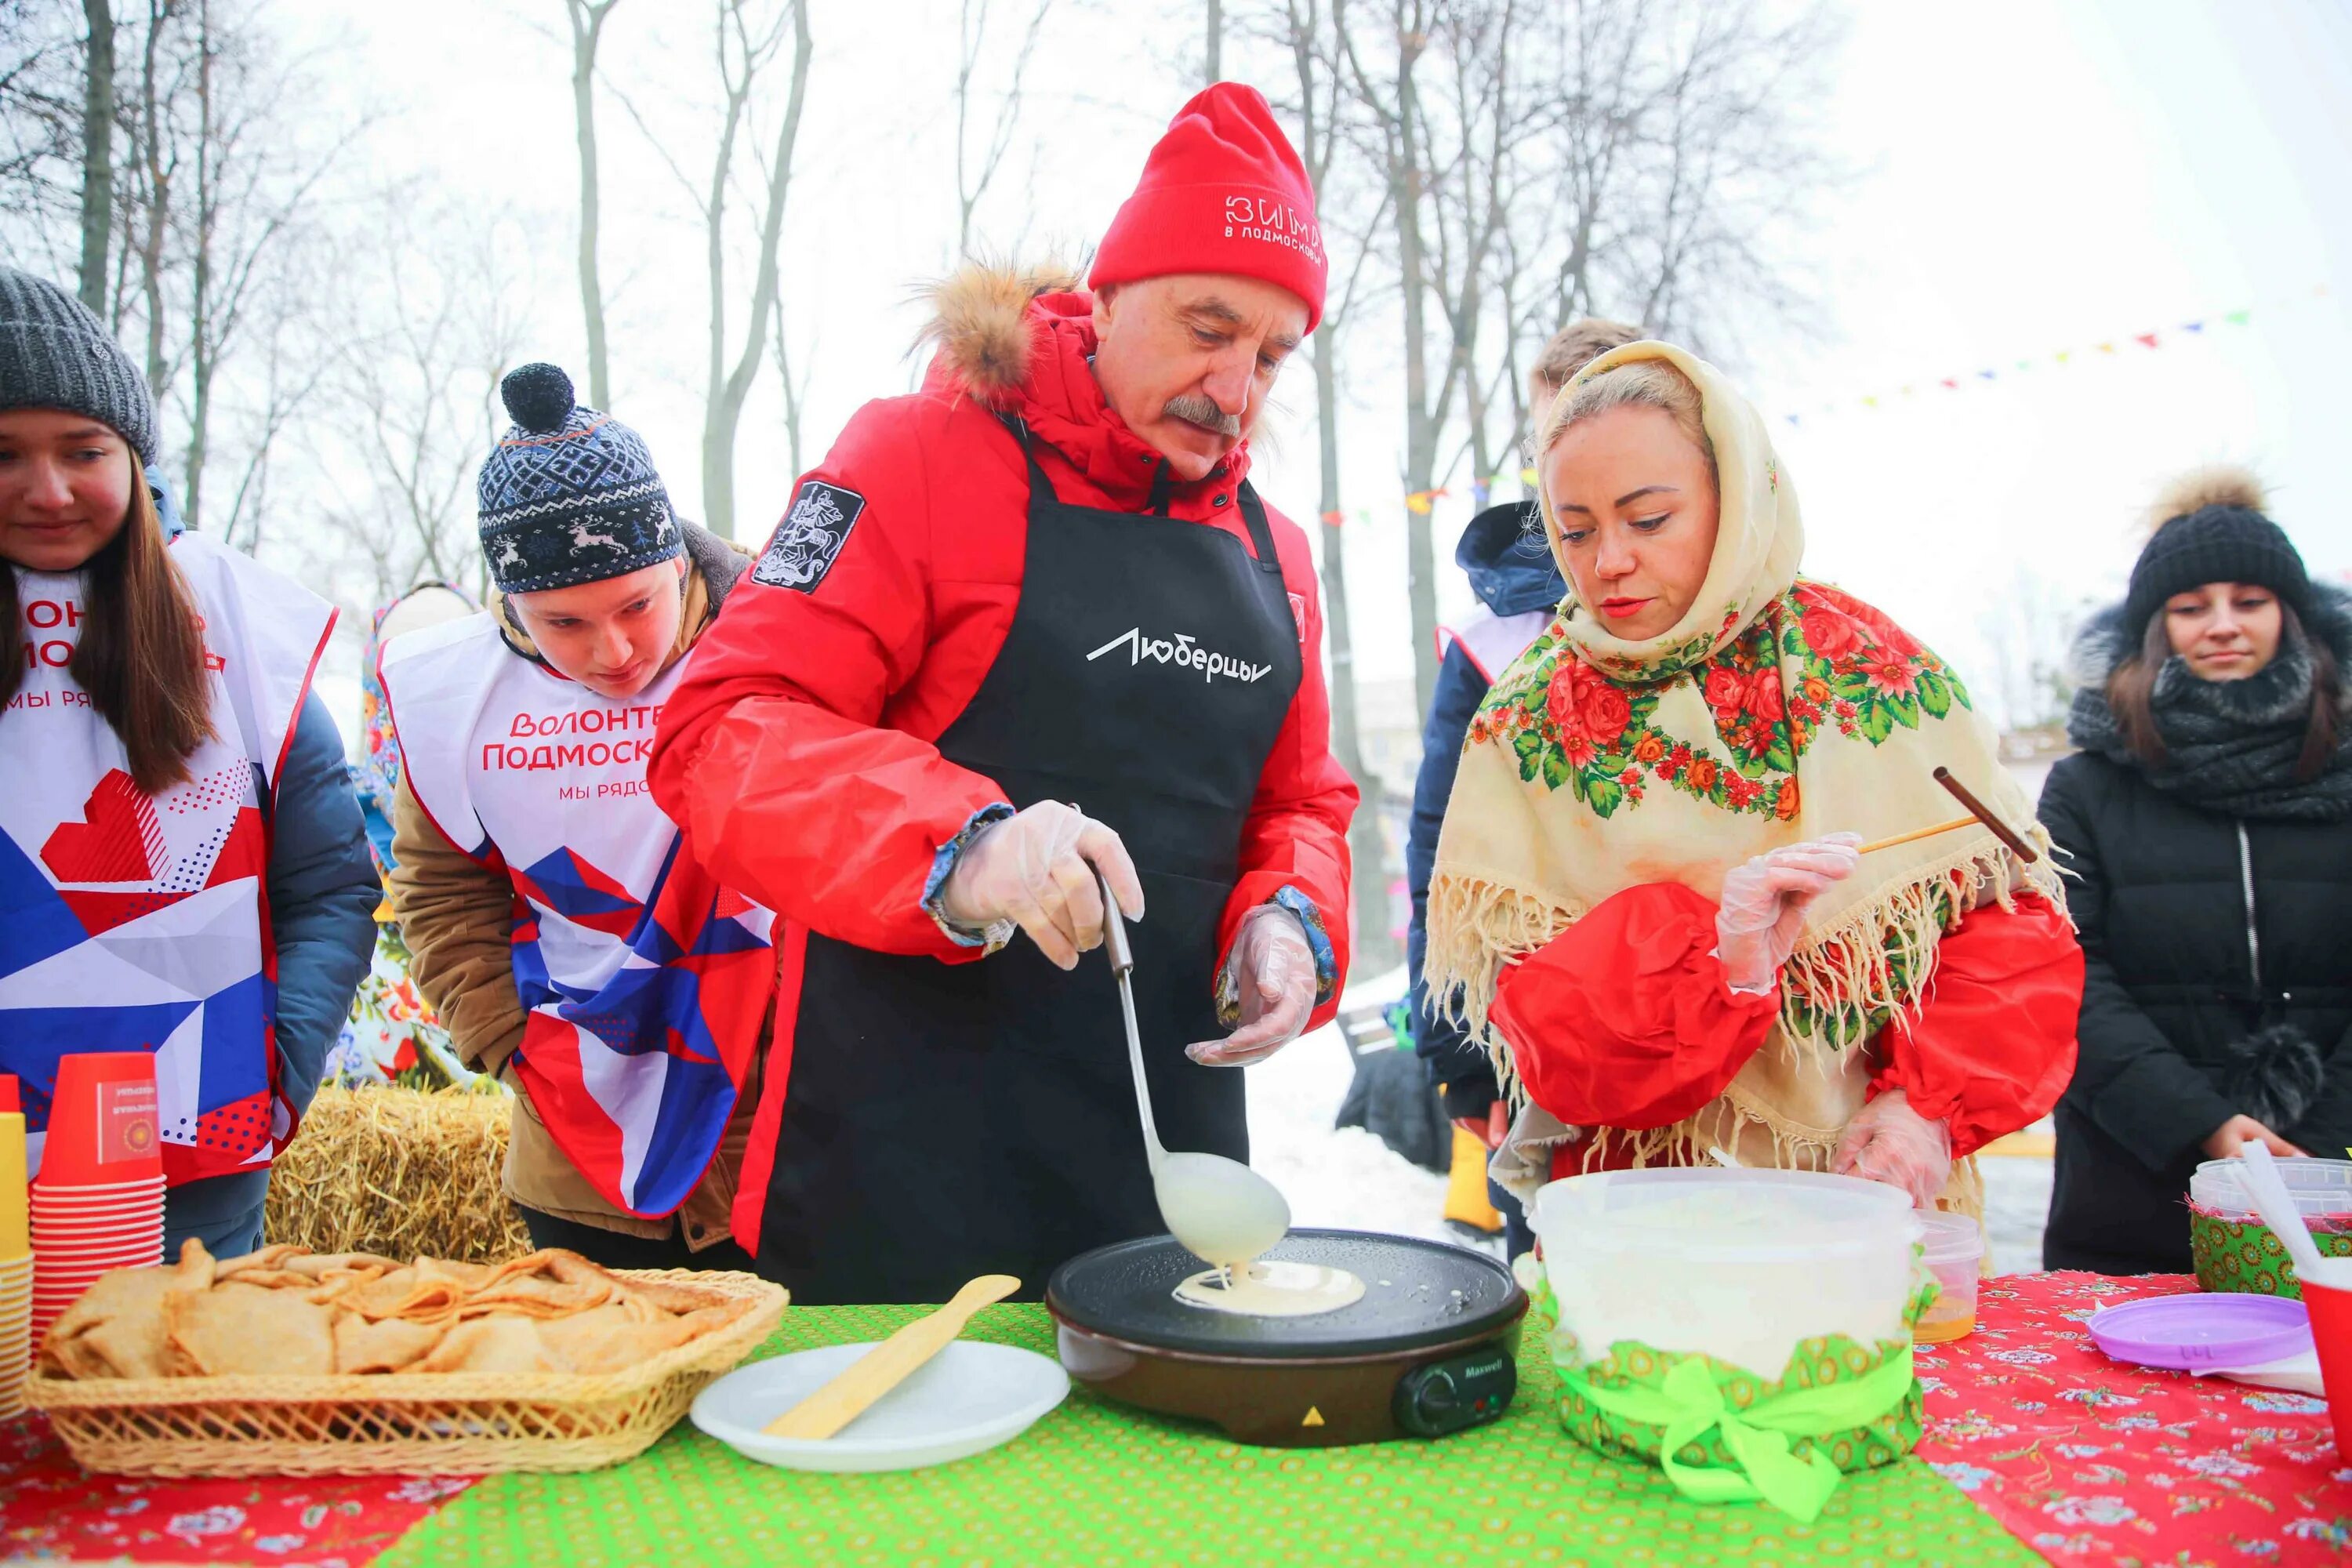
x: 1224, y: 191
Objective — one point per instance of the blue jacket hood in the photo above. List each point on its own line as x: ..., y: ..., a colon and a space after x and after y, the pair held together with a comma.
x: 1509, y: 565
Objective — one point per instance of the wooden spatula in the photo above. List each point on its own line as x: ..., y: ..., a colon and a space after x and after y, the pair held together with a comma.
x: 888, y: 1365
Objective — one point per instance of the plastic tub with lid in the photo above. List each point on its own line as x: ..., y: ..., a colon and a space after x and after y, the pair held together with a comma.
x: 1953, y: 1247
x: 2236, y: 1252
x: 1741, y: 1265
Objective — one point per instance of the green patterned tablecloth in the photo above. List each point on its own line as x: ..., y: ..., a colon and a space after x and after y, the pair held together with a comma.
x: 1095, y: 1484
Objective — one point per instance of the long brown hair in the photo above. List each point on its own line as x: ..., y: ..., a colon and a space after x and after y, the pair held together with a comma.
x: 2131, y: 689
x: 141, y: 654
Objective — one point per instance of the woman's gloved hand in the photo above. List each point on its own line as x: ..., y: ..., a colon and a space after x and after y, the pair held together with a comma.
x: 1036, y: 869
x: 1272, y: 971
x: 1889, y: 1141
x: 1762, y: 910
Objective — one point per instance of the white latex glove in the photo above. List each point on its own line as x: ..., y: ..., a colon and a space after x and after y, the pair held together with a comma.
x: 1889, y: 1141
x: 1762, y: 911
x: 1273, y: 974
x: 1036, y: 869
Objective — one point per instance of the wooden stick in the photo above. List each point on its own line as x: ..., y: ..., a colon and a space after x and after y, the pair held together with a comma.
x: 2000, y: 829
x: 888, y: 1364
x: 1877, y: 843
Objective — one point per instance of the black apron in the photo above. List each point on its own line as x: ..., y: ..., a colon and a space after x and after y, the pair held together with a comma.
x: 945, y: 1120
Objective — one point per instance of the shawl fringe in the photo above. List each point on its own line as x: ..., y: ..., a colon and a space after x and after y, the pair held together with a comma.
x: 1879, y: 957
x: 1794, y: 1148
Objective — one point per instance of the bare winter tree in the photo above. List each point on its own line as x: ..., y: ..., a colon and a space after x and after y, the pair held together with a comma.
x: 1449, y: 117
x: 1682, y: 159
x: 169, y: 161
x: 42, y: 94
x: 796, y: 386
x: 414, y: 405
x: 745, y: 52
x: 225, y: 201
x: 587, y: 18
x: 1302, y: 30
x: 97, y: 150
x: 1549, y: 159
x: 976, y: 167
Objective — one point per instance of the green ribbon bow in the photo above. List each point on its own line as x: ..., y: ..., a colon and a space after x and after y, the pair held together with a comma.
x: 1689, y: 1405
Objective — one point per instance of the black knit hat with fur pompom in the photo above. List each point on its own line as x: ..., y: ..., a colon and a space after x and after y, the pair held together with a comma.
x: 2210, y: 528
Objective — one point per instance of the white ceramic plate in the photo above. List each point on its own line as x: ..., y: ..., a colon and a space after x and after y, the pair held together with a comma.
x: 968, y: 1398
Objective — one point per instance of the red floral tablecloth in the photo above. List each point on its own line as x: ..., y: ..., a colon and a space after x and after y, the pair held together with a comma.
x: 2084, y: 1460
x: 49, y: 1508
x: 2089, y: 1461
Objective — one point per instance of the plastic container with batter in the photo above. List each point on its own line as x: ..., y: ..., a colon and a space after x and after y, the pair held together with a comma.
x: 1741, y: 1265
x: 1953, y: 1247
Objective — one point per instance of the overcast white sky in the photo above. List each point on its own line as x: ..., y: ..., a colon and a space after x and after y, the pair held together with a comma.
x: 2035, y: 176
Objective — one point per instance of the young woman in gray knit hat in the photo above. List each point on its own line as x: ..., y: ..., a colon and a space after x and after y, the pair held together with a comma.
x: 2204, y: 823
x: 183, y: 869
x: 627, y: 1003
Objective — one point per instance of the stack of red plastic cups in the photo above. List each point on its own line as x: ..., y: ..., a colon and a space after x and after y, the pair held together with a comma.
x: 98, y: 1202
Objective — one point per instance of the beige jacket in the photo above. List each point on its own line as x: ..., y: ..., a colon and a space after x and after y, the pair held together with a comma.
x: 458, y: 917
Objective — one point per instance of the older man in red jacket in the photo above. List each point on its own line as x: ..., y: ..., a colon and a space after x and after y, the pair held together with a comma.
x: 1028, y: 627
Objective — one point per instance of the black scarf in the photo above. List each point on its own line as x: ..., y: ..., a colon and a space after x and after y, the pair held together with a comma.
x: 2231, y: 746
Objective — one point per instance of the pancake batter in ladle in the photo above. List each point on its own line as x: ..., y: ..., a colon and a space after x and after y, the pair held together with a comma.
x: 1221, y: 1210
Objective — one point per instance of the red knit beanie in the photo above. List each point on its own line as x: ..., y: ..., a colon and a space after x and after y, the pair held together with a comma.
x: 1223, y: 191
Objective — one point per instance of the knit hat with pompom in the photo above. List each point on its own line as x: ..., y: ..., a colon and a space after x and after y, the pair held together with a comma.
x: 2210, y: 527
x: 569, y: 495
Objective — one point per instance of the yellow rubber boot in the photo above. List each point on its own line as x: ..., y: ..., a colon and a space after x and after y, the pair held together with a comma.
x: 1465, y: 1185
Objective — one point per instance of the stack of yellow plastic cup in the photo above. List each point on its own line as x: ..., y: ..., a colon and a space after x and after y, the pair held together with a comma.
x: 15, y: 1267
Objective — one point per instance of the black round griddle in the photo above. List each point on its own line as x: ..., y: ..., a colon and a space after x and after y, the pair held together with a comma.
x: 1428, y: 1348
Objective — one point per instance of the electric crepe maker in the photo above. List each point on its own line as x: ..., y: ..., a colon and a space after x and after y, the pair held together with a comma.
x: 1429, y: 1348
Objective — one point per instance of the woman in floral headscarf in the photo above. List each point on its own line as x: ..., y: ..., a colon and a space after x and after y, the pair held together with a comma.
x: 1649, y: 899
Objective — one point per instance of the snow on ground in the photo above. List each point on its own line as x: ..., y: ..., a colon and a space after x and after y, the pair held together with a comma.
x: 1348, y: 1178
x: 1345, y: 1176
x: 2017, y: 1201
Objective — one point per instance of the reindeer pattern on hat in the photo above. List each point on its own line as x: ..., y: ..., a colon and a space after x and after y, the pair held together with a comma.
x: 570, y: 494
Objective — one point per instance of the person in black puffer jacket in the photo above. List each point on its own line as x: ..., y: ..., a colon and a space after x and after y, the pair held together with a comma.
x: 2203, y: 823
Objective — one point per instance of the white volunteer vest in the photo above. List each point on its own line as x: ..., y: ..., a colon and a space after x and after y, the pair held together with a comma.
x: 522, y: 768
x: 1492, y: 641
x: 130, y: 922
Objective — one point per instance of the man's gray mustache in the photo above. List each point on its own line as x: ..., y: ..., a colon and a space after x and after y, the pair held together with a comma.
x: 1204, y: 413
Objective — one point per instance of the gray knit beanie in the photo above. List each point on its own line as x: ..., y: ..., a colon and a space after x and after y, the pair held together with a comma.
x: 55, y: 354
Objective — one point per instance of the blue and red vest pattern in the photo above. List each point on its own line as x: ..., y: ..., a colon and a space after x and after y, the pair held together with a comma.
x: 646, y: 981
x: 136, y: 922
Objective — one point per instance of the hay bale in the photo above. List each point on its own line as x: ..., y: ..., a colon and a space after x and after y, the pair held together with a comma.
x: 399, y: 1172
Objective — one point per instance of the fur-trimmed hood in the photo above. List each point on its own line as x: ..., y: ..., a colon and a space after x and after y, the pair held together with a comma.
x: 983, y: 332
x: 1022, y: 339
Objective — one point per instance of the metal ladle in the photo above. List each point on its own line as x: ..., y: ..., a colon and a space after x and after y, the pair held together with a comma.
x: 1219, y: 1209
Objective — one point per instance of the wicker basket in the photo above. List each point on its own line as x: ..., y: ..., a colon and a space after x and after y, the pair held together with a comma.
x: 425, y: 1424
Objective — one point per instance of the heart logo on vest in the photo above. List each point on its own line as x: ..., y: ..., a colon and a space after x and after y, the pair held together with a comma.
x: 117, y: 840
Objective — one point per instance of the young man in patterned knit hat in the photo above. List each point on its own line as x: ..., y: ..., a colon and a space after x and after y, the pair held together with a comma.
x: 567, y: 940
